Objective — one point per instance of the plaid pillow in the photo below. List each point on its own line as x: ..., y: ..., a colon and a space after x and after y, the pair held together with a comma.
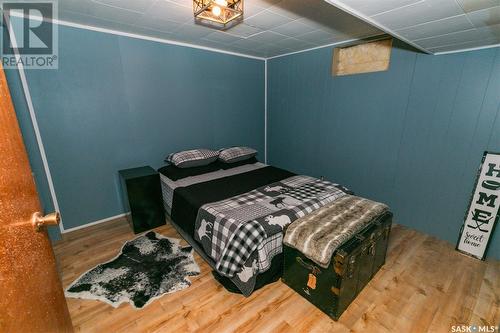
x: 192, y: 158
x: 236, y: 154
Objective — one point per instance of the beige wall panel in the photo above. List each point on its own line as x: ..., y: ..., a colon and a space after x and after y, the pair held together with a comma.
x: 363, y: 58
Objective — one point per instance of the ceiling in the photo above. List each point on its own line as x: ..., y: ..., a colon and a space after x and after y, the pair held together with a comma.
x: 433, y: 26
x: 270, y: 27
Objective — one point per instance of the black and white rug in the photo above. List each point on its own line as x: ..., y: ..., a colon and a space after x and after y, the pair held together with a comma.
x: 147, y: 267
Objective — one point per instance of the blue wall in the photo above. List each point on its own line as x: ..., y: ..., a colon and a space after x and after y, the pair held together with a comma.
x: 117, y: 102
x: 412, y: 136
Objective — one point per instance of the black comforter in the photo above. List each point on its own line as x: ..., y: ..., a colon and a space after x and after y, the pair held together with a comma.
x: 187, y: 200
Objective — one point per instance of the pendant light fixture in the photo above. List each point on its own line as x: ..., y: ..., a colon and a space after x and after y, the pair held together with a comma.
x: 219, y: 14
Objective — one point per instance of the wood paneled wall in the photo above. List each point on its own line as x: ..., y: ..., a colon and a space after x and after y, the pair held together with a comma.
x: 412, y: 136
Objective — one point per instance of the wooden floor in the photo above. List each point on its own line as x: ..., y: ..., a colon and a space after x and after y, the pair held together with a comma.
x: 424, y: 286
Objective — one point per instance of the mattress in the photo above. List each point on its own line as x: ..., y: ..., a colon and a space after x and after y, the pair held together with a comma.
x: 168, y: 185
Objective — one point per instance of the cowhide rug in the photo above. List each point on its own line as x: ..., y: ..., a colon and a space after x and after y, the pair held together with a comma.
x: 146, y: 268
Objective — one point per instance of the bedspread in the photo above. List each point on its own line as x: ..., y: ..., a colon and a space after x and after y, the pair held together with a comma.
x: 244, y: 232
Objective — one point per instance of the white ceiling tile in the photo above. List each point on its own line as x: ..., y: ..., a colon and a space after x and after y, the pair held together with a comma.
x: 490, y: 31
x: 212, y: 44
x: 113, y: 14
x: 92, y: 21
x: 158, y: 24
x: 427, y: 24
x: 192, y: 32
x: 250, y: 9
x: 268, y: 48
x: 266, y: 20
x: 257, y: 53
x: 307, y: 21
x: 134, y: 5
x: 476, y: 34
x: 351, y: 34
x: 267, y: 27
x: 418, y: 13
x: 333, y: 40
x: 234, y: 48
x: 243, y: 30
x: 467, y: 45
x: 262, y: 3
x: 76, y: 6
x: 340, y: 28
x: 284, y: 10
x: 170, y: 11
x: 453, y: 38
x: 292, y: 43
x: 312, y: 23
x: 485, y: 17
x: 184, y: 3
x: 378, y: 6
x: 295, y: 49
x: 272, y: 52
x: 436, y: 28
x: 262, y: 50
x: 221, y: 37
x: 472, y: 5
x: 277, y: 53
x: 336, y: 22
x: 250, y: 51
x: 311, y: 9
x: 267, y: 37
x: 293, y: 28
x: 316, y: 36
x: 246, y: 44
x: 151, y: 33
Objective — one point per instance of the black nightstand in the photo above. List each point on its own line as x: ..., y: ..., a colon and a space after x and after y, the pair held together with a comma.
x: 142, y: 196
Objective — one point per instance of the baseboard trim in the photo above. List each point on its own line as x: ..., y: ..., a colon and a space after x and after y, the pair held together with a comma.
x: 107, y: 219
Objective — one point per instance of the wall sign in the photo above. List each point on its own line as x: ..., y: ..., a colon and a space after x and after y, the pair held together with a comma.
x: 483, y: 211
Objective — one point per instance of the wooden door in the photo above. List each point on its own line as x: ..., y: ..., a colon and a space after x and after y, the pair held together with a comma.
x: 31, y: 294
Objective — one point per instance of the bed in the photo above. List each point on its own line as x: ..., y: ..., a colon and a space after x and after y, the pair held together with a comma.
x: 234, y: 218
x: 169, y: 185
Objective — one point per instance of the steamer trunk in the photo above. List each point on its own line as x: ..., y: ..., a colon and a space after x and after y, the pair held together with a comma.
x: 353, y: 265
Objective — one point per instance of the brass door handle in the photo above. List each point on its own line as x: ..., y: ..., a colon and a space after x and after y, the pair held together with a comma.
x: 38, y: 220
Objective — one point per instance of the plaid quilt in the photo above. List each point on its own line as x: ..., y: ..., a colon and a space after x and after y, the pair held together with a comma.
x: 244, y: 232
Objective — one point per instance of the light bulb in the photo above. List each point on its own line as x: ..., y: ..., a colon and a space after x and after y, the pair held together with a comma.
x: 216, y: 10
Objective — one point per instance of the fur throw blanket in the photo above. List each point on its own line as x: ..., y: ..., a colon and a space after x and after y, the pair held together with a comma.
x: 318, y: 234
